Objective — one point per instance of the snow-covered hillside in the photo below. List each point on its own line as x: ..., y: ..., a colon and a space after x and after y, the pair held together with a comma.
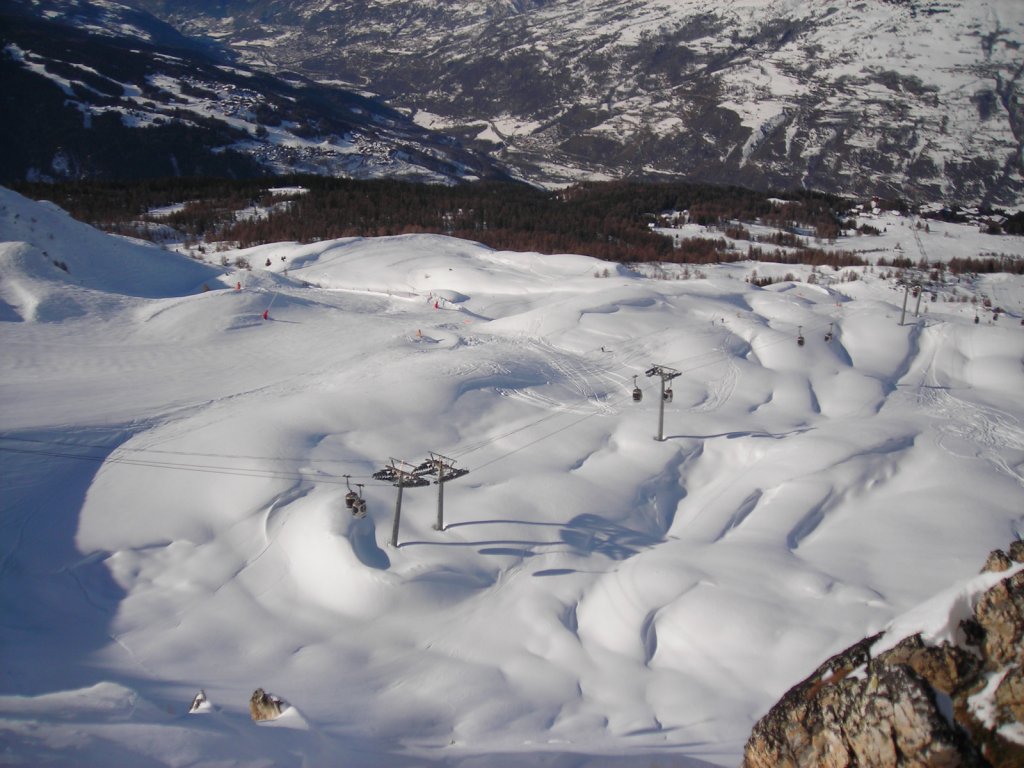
x: 173, y: 518
x: 917, y: 99
x: 112, y: 93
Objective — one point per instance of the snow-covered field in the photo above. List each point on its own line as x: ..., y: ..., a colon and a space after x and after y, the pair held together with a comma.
x: 174, y: 474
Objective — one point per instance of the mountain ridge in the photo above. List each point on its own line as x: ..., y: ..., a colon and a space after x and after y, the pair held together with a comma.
x: 921, y: 100
x: 106, y: 91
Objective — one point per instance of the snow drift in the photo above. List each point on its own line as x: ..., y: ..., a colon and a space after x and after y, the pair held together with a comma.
x: 175, y: 469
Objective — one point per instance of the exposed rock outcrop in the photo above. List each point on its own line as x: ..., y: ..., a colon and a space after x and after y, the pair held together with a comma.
x: 200, y: 704
x: 266, y: 706
x: 915, y: 702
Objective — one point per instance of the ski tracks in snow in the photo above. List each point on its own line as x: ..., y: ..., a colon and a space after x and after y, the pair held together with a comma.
x: 967, y: 429
x: 575, y: 373
x: 721, y: 389
x: 990, y: 431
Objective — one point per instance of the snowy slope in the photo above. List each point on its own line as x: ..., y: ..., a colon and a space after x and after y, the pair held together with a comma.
x: 172, y: 509
x: 42, y: 238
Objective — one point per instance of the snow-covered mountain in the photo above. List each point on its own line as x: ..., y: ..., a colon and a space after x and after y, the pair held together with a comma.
x: 174, y: 469
x: 101, y: 90
x: 920, y: 99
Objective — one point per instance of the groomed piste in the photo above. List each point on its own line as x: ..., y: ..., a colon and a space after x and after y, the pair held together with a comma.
x: 177, y: 440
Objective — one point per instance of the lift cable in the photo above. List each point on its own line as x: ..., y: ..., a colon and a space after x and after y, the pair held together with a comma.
x: 61, y: 449
x: 205, y: 468
x: 165, y: 451
x: 584, y: 417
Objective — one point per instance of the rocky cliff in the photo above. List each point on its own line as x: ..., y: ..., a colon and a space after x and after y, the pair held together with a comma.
x: 951, y: 694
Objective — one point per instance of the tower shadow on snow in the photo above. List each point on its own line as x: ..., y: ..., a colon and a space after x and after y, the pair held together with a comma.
x: 743, y: 433
x: 584, y: 534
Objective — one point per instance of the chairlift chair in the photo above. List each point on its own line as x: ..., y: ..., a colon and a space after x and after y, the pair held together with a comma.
x: 828, y: 336
x: 800, y: 336
x: 668, y: 395
x: 638, y: 394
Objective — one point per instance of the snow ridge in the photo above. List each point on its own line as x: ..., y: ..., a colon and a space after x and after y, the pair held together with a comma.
x: 176, y: 466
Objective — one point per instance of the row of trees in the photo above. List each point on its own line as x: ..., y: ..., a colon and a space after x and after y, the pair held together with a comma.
x: 505, y: 216
x: 105, y: 203
x: 605, y: 220
x: 610, y: 220
x: 702, y: 250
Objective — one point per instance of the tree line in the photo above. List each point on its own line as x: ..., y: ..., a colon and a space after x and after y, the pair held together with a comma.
x: 612, y: 221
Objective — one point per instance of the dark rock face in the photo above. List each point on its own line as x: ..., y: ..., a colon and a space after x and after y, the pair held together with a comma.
x: 914, y: 704
x: 101, y: 91
x: 265, y: 706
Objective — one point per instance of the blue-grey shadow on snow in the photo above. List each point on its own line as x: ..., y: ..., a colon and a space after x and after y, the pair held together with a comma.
x: 556, y: 572
x: 743, y: 433
x: 506, y: 521
x: 586, y: 534
x: 58, y: 602
x: 590, y: 534
x: 8, y: 314
x: 363, y: 536
x: 514, y: 547
x: 507, y: 551
x: 892, y: 381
